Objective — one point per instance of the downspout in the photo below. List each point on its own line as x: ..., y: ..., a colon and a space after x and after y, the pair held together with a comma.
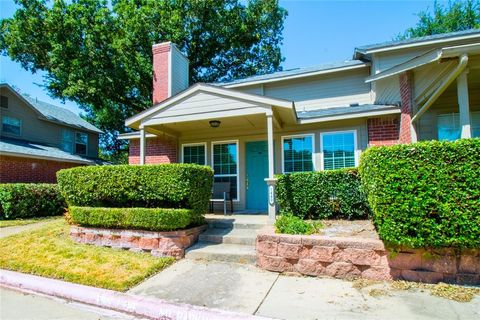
x: 462, y: 64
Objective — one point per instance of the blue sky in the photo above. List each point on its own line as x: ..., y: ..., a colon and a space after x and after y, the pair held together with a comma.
x: 315, y: 32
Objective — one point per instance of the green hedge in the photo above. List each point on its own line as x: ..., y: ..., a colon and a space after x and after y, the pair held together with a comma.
x: 322, y: 194
x: 290, y: 224
x: 151, y: 186
x: 154, y: 219
x: 425, y: 194
x: 28, y: 200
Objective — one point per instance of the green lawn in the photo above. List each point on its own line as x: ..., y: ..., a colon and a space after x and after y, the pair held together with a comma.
x: 22, y: 222
x: 49, y: 252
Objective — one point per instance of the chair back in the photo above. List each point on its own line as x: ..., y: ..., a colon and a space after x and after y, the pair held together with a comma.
x: 219, y: 188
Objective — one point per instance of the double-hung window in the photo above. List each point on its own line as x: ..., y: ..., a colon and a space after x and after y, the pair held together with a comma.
x: 297, y: 153
x: 194, y: 153
x: 225, y: 164
x: 338, y: 149
x: 67, y: 140
x: 81, y: 142
x: 11, y: 125
x: 448, y: 126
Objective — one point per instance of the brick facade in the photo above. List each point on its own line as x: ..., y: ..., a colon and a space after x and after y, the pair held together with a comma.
x: 157, y: 151
x: 27, y: 170
x: 383, y: 131
x: 160, y: 71
x: 406, y: 93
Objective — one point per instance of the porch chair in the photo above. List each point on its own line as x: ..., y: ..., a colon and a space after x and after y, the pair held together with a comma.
x: 221, y: 192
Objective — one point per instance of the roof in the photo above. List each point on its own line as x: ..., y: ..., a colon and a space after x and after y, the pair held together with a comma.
x: 419, y: 40
x: 54, y: 113
x: 17, y: 147
x: 291, y: 73
x: 337, y: 113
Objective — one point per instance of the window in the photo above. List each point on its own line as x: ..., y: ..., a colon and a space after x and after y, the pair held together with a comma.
x: 338, y: 150
x: 194, y: 153
x: 81, y: 141
x: 448, y: 126
x: 11, y: 125
x: 67, y: 141
x: 297, y: 153
x: 225, y: 165
x: 4, y: 101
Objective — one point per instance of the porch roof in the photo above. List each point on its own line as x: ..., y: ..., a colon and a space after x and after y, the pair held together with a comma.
x: 348, y: 112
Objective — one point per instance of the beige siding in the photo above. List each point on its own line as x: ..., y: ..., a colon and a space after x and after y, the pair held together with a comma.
x: 387, y: 91
x: 37, y: 130
x: 179, y: 71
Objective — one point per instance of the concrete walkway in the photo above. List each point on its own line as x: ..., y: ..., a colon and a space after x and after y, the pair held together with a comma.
x: 16, y: 305
x: 8, y: 231
x: 245, y: 288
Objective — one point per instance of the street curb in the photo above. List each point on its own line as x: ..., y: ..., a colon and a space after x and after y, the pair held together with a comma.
x: 108, y: 299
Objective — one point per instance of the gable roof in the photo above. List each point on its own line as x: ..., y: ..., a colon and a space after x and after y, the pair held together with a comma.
x: 54, y: 113
x: 399, y: 44
x: 294, y: 73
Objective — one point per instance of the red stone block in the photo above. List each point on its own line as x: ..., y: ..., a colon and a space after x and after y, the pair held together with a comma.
x: 377, y: 273
x: 408, y: 261
x: 148, y: 243
x: 468, y: 279
x: 289, y: 251
x: 422, y: 276
x: 310, y: 267
x: 342, y: 270
x: 358, y: 256
x: 267, y: 248
x: 90, y: 237
x: 436, y: 263
x: 469, y: 264
x: 278, y: 264
x: 324, y: 254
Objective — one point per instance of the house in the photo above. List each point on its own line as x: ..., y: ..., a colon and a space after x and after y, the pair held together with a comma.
x: 306, y: 119
x: 37, y: 139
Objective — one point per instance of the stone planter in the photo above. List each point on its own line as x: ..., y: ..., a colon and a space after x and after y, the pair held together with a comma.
x: 348, y: 257
x: 167, y: 243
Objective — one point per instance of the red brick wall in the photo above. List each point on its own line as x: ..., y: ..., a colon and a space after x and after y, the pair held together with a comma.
x: 383, y: 131
x: 160, y: 72
x: 15, y: 169
x: 157, y: 151
x: 407, y: 104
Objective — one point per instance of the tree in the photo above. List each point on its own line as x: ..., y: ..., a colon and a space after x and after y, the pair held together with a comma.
x: 458, y: 15
x: 98, y: 53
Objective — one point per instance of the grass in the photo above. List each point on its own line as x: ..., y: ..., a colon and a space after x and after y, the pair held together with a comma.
x: 50, y: 252
x: 22, y: 222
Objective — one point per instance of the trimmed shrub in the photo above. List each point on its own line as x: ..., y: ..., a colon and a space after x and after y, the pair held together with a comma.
x: 186, y: 186
x: 322, y: 194
x: 290, y: 224
x: 29, y: 200
x: 425, y: 194
x: 154, y: 219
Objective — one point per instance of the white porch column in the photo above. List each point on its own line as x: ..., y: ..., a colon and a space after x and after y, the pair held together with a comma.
x: 142, y: 145
x: 463, y: 105
x: 271, y: 181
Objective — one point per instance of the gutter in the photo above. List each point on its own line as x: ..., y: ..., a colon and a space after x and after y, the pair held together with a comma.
x: 462, y: 65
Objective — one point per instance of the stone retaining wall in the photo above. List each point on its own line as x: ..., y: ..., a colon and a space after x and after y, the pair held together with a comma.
x: 345, y: 257
x: 168, y: 243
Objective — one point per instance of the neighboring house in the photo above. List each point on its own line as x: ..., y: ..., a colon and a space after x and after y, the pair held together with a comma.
x: 308, y: 119
x: 37, y: 139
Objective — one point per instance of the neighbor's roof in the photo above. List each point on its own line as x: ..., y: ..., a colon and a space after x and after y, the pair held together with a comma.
x: 293, y: 73
x: 55, y: 113
x: 471, y: 33
x: 23, y: 148
x: 337, y: 113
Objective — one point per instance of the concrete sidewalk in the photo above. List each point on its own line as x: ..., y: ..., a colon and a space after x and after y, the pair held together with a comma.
x: 245, y: 288
x: 8, y: 231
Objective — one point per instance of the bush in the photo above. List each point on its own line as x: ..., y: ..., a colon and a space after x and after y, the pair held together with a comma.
x: 290, y: 224
x: 21, y: 200
x: 185, y: 186
x: 425, y: 194
x: 322, y: 194
x: 154, y: 219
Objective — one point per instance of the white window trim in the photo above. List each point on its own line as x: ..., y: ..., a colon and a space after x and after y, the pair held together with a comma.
x: 299, y: 136
x: 72, y: 143
x: 75, y: 143
x: 355, y: 146
x: 193, y: 145
x: 228, y: 175
x: 11, y: 134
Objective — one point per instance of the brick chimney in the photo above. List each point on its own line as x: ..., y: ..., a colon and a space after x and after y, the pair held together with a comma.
x: 170, y: 71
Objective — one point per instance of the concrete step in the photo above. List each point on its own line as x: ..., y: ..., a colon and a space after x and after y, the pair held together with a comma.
x: 222, y: 252
x: 229, y: 236
x: 226, y: 223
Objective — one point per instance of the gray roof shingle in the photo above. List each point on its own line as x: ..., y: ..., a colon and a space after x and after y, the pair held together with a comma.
x: 338, y: 111
x: 35, y: 149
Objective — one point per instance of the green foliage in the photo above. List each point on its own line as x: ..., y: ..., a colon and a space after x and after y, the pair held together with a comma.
x: 322, y: 194
x: 98, y: 53
x: 154, y: 219
x: 457, y: 15
x: 290, y: 224
x: 21, y: 200
x: 425, y: 194
x: 167, y: 186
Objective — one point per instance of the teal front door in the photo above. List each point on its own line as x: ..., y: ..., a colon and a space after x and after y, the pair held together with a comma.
x: 257, y: 171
